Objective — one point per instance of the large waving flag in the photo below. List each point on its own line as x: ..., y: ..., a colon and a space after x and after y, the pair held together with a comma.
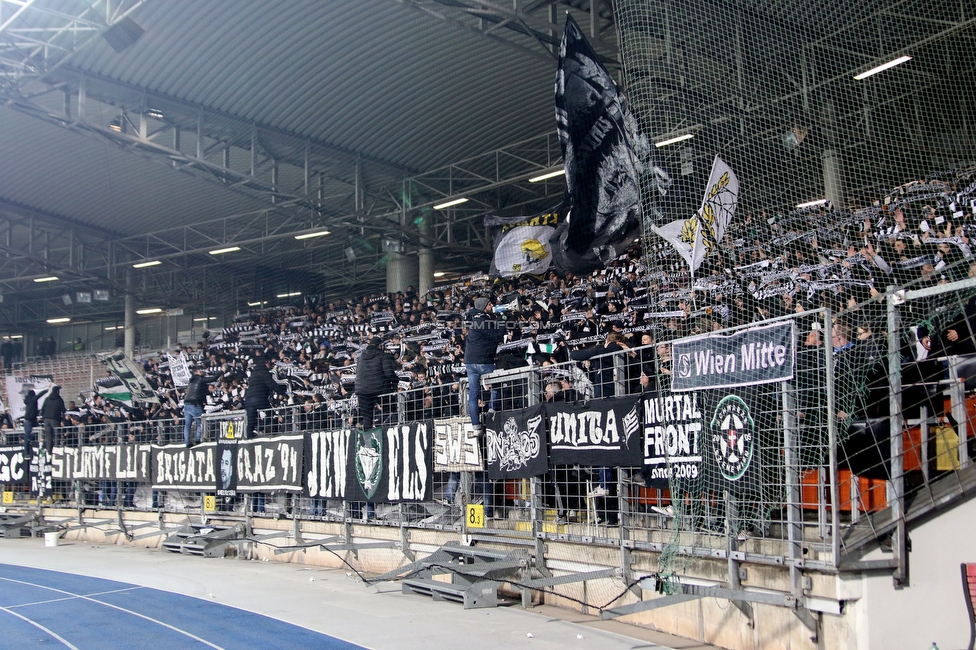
x: 126, y: 385
x: 521, y: 243
x: 696, y: 237
x: 603, y: 153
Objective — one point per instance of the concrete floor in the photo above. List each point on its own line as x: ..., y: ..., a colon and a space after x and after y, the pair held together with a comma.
x: 336, y: 602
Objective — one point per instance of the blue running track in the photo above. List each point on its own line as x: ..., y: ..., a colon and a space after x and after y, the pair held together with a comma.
x: 54, y: 609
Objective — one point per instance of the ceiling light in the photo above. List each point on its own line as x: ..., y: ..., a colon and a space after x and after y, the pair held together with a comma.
x: 54, y: 321
x: 441, y: 206
x: 289, y: 295
x: 119, y: 327
x: 439, y: 274
x: 154, y: 113
x: 17, y: 336
x: 152, y: 310
x: 257, y: 304
x: 142, y: 265
x: 204, y: 319
x: 810, y: 204
x: 221, y: 251
x: 50, y: 278
x: 676, y: 139
x: 882, y: 67
x: 309, y: 235
x: 558, y: 172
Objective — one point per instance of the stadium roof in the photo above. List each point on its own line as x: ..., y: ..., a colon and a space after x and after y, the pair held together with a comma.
x: 144, y: 130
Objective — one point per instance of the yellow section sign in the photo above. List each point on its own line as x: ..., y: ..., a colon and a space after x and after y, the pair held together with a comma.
x: 476, y: 515
x: 8, y: 497
x: 209, y: 503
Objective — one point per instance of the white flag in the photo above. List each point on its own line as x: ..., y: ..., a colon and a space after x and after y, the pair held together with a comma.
x: 696, y: 237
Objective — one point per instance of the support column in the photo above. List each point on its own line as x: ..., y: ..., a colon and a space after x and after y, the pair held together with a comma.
x: 130, y: 319
x: 833, y: 174
x: 425, y: 258
x: 401, y: 272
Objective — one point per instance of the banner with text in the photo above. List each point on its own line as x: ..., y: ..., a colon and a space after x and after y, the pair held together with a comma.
x: 393, y: 464
x: 269, y: 464
x: 327, y: 456
x: 456, y: 446
x: 13, y: 465
x: 516, y: 443
x: 759, y: 355
x: 177, y: 468
x: 604, y: 433
x: 673, y: 438
x: 102, y: 462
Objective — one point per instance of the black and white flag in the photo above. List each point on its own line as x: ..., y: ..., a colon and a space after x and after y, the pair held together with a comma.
x: 392, y: 464
x: 327, y: 463
x: 516, y: 443
x: 13, y: 465
x: 604, y: 433
x: 102, y: 462
x: 604, y: 154
x: 177, y: 468
x: 270, y: 464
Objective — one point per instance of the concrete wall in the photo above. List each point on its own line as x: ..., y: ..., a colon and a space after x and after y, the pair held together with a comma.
x: 932, y: 608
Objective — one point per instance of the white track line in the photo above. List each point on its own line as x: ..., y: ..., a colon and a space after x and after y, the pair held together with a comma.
x: 40, y: 627
x: 67, y: 598
x: 121, y: 609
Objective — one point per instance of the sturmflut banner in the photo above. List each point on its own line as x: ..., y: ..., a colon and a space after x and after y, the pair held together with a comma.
x: 456, y: 446
x: 604, y: 433
x: 758, y: 355
x: 102, y: 462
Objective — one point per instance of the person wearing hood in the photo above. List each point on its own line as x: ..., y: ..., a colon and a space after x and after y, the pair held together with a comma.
x: 30, y: 420
x: 375, y: 375
x: 52, y: 412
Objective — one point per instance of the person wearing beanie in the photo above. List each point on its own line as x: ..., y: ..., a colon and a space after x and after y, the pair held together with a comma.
x: 485, y: 332
x: 375, y: 375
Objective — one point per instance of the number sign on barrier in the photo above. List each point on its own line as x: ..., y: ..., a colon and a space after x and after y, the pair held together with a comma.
x: 476, y: 515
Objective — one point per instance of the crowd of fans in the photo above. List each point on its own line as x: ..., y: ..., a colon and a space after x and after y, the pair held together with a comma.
x: 767, y: 266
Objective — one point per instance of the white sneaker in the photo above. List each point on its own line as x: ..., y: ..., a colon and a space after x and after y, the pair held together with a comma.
x: 598, y: 491
x: 667, y: 511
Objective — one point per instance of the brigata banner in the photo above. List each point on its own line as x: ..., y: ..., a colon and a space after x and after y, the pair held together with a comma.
x: 604, y: 433
x: 456, y: 446
x: 102, y: 462
x: 13, y: 465
x: 177, y: 468
x: 759, y: 355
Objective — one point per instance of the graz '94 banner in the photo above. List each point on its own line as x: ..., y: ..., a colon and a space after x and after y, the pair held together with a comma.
x: 270, y: 464
x: 605, y: 432
x: 516, y: 442
x: 456, y: 446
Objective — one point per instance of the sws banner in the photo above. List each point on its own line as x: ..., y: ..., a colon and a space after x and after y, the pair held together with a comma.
x: 516, y: 443
x: 177, y: 468
x: 759, y: 355
x: 673, y: 439
x: 102, y: 462
x: 604, y: 433
x: 456, y: 446
x: 393, y: 464
x: 13, y: 465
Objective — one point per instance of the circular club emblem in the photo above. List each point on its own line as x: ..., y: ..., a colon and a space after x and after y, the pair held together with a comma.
x: 733, y: 435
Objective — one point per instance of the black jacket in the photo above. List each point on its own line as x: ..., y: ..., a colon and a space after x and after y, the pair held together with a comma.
x: 375, y: 372
x: 30, y: 407
x: 485, y: 332
x: 260, y: 385
x: 196, y: 389
x: 53, y: 409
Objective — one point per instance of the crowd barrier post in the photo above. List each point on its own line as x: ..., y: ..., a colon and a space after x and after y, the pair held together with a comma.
x: 832, y: 440
x: 896, y: 427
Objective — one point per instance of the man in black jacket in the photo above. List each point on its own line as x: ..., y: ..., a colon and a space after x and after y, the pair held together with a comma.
x: 485, y: 332
x: 260, y: 385
x: 375, y: 375
x: 30, y: 420
x: 193, y: 402
x: 52, y: 412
